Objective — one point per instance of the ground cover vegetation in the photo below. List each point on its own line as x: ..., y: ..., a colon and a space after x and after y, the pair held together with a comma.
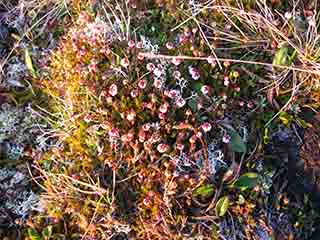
x: 159, y: 119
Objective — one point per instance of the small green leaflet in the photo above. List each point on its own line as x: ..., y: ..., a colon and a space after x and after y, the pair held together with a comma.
x: 192, y: 103
x: 33, y: 234
x: 236, y: 143
x: 204, y: 191
x: 29, y: 64
x: 281, y: 57
x: 247, y: 180
x: 222, y: 206
x: 47, y: 232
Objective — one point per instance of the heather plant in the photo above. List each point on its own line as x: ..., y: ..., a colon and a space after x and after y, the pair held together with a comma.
x: 142, y: 140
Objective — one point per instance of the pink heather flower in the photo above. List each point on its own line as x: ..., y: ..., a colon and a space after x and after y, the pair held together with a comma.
x: 183, y: 39
x: 157, y: 83
x: 142, y: 136
x: 114, y: 132
x: 226, y: 138
x: 124, y: 138
x: 113, y: 90
x: 131, y: 44
x: 131, y: 116
x: 173, y: 94
x: 237, y: 89
x: 205, y: 89
x: 92, y: 66
x: 134, y: 93
x: 146, y: 127
x: 226, y: 81
x: 161, y: 116
x: 199, y: 134
x: 150, y: 67
x: 176, y: 61
x: 164, y: 108
x: 130, y: 136
x: 206, y: 127
x: 180, y: 102
x: 162, y: 147
x: 199, y: 105
x: 140, y: 56
x: 124, y: 62
x: 139, y: 45
x: 241, y: 103
x: 195, y: 74
x: 211, y: 60
x: 250, y: 104
x: 169, y: 45
x: 180, y: 146
x: 142, y: 84
x: 149, y: 105
x: 146, y: 201
x: 87, y: 118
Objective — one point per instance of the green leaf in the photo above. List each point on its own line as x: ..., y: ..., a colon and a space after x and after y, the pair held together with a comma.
x: 236, y: 143
x: 222, y: 206
x: 204, y: 191
x: 248, y: 180
x: 192, y: 103
x: 47, y: 232
x: 281, y: 57
x: 29, y: 64
x: 33, y: 234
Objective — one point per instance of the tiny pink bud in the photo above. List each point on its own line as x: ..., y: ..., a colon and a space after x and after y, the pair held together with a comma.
x: 146, y: 127
x: 114, y: 133
x: 150, y: 67
x: 131, y: 116
x: 173, y: 94
x: 226, y: 138
x: 162, y: 148
x: 139, y: 45
x: 250, y: 104
x: 134, y: 93
x: 124, y: 62
x: 169, y: 45
x: 140, y: 56
x: 205, y: 89
x: 241, y: 103
x: 206, y: 127
x: 157, y: 83
x: 176, y: 61
x: 164, y: 108
x: 237, y: 89
x: 161, y: 116
x: 113, y: 90
x: 195, y: 74
x: 131, y: 44
x: 142, y: 84
x: 180, y: 102
x: 211, y: 60
x: 199, y: 134
x: 142, y: 136
x: 180, y: 146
